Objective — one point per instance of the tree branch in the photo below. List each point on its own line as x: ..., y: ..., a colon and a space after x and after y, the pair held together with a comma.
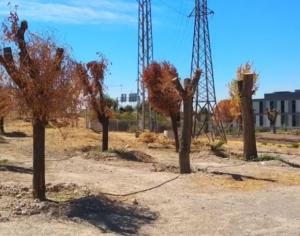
x: 8, y: 63
x: 24, y: 56
x: 59, y: 58
x: 196, y: 79
x: 179, y: 87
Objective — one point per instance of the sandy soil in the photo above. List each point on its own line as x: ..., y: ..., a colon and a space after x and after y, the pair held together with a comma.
x: 136, y: 190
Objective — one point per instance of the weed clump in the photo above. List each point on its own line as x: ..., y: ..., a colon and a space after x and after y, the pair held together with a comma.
x: 148, y: 137
x: 294, y: 145
x: 266, y: 158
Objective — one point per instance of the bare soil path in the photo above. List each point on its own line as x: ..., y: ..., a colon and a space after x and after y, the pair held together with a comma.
x: 91, y: 192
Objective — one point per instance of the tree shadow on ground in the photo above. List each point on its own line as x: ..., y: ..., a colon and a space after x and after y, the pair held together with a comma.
x: 239, y: 177
x: 294, y: 165
x: 110, y: 216
x: 16, y: 169
x: 220, y: 153
x: 136, y: 156
x: 16, y: 134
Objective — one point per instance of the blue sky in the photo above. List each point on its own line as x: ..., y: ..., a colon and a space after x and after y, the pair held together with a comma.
x: 266, y: 32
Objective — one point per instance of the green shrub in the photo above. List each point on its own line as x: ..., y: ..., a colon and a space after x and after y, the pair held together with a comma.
x: 294, y: 145
x: 4, y: 161
x: 266, y: 158
x: 218, y: 145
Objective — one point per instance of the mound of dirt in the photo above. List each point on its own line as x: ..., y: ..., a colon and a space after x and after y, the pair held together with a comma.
x: 15, y: 191
x: 136, y: 156
x: 22, y: 204
x: 156, y: 167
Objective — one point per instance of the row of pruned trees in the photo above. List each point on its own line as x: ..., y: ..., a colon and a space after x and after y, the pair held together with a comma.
x: 41, y: 80
x: 44, y: 82
x: 166, y: 95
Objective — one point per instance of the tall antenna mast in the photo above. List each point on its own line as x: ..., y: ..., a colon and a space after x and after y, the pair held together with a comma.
x: 205, y: 99
x: 145, y: 54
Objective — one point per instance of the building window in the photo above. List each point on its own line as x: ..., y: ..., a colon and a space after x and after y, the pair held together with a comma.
x: 294, y: 122
x: 261, y: 121
x: 272, y: 105
x: 283, y: 123
x: 261, y: 107
x: 282, y: 109
x: 293, y: 106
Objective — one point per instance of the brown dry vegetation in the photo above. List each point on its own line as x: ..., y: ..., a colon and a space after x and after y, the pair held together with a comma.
x: 82, y: 183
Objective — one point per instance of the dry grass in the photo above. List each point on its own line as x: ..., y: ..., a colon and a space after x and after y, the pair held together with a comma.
x: 69, y: 139
x: 150, y: 137
x: 246, y: 183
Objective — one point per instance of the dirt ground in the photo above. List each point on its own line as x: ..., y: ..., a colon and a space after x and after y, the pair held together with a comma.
x: 135, y: 188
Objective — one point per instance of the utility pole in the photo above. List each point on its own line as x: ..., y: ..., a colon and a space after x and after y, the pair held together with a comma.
x: 205, y: 102
x: 145, y: 54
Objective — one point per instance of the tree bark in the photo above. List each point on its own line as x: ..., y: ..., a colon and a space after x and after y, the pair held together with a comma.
x: 2, y: 131
x: 39, y: 188
x: 274, y: 128
x: 175, y: 130
x: 185, y: 147
x: 105, y: 130
x: 272, y: 117
x: 245, y: 89
x: 187, y: 94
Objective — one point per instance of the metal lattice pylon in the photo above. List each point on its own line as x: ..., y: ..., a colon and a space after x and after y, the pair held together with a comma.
x: 205, y: 99
x: 145, y: 52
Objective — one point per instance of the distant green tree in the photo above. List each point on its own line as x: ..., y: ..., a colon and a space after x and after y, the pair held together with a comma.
x: 127, y: 108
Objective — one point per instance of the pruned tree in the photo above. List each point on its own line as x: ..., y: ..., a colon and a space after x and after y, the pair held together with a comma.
x: 234, y: 92
x: 162, y: 94
x: 43, y: 78
x: 245, y: 88
x: 92, y: 80
x: 187, y: 94
x: 272, y: 117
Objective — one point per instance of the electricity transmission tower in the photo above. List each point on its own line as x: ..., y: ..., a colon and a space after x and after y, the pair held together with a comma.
x: 205, y: 99
x: 145, y: 54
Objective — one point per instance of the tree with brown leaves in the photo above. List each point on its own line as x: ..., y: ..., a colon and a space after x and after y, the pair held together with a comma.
x: 224, y: 113
x: 228, y: 112
x: 162, y: 94
x: 92, y: 79
x: 43, y: 78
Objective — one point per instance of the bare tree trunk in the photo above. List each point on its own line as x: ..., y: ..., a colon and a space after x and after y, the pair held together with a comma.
x: 272, y: 117
x: 175, y: 130
x: 2, y: 131
x: 105, y: 130
x: 274, y: 128
x: 185, y: 147
x: 187, y: 94
x: 39, y: 189
x: 240, y: 127
x: 245, y: 89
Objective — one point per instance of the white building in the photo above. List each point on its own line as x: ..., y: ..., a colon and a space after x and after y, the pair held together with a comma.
x: 286, y: 103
